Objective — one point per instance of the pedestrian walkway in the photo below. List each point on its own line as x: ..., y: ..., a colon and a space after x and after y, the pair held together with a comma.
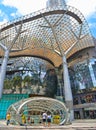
x: 76, y: 125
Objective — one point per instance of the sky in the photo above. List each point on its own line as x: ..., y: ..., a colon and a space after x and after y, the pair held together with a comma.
x: 11, y: 9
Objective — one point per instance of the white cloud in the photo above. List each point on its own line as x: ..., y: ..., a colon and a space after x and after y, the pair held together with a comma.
x: 4, y: 18
x: 2, y: 13
x: 87, y: 7
x: 26, y: 6
x: 16, y: 14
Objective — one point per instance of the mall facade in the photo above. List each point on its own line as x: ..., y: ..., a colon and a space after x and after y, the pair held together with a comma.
x: 57, y: 40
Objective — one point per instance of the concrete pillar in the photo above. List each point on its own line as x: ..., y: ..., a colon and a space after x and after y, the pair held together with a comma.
x: 67, y: 89
x: 81, y: 113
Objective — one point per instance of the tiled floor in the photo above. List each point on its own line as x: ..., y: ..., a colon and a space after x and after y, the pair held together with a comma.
x: 76, y: 125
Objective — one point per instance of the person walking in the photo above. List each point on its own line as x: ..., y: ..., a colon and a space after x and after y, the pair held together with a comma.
x: 44, y: 117
x: 8, y: 117
x: 49, y: 119
x: 23, y: 119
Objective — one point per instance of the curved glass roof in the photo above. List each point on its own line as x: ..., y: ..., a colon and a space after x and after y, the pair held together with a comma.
x: 47, y: 34
x: 38, y: 104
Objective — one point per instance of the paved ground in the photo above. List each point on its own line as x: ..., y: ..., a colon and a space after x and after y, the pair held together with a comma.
x: 76, y: 125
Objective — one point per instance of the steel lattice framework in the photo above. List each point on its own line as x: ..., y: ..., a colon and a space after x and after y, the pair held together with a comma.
x: 48, y: 34
x: 39, y: 104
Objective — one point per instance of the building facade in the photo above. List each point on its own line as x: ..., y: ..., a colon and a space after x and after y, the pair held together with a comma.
x: 59, y: 35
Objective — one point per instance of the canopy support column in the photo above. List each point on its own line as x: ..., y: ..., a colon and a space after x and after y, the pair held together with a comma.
x: 3, y: 71
x: 67, y: 89
x: 6, y: 56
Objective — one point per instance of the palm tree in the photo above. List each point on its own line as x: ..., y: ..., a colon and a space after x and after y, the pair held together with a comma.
x: 8, y: 84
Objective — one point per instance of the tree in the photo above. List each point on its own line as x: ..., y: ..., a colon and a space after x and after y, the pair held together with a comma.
x: 8, y: 84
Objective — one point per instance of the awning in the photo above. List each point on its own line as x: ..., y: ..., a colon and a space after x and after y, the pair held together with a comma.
x: 90, y: 108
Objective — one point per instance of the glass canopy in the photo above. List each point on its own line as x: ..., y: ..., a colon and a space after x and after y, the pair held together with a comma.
x: 47, y: 34
x: 34, y: 107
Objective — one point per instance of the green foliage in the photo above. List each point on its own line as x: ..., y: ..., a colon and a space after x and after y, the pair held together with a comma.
x: 8, y: 84
x: 27, y: 79
x: 17, y: 80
